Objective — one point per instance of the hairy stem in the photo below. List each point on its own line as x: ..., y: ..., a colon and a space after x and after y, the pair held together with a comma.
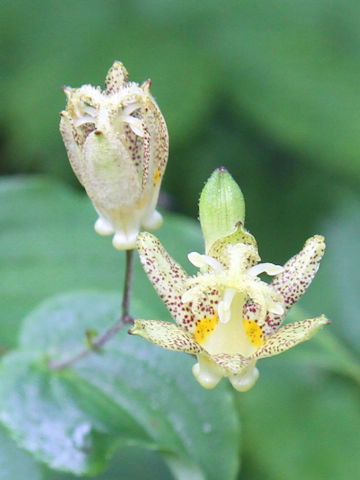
x: 99, y: 341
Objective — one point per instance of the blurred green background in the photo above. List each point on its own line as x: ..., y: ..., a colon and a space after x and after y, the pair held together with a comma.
x: 269, y: 89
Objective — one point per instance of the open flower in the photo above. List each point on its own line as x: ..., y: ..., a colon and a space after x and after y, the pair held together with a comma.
x: 117, y: 143
x: 226, y: 315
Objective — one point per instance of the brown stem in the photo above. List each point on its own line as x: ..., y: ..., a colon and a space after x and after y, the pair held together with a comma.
x: 104, y: 337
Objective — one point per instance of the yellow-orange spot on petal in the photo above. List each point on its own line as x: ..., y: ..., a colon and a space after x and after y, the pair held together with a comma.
x: 157, y: 176
x: 254, y: 332
x: 204, y: 327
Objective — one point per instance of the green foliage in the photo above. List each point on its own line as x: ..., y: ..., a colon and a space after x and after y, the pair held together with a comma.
x: 308, y: 425
x: 131, y: 394
x: 135, y: 393
x: 15, y: 463
x: 268, y: 89
x: 50, y: 247
x: 279, y: 75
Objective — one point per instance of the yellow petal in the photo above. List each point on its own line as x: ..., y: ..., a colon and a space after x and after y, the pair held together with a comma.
x: 166, y: 335
x: 290, y: 335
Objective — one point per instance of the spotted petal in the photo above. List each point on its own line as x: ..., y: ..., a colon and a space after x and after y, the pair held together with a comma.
x: 289, y: 336
x: 298, y: 273
x: 166, y: 335
x: 116, y: 78
x: 167, y: 277
x: 155, y: 128
x: 73, y: 141
x: 231, y: 363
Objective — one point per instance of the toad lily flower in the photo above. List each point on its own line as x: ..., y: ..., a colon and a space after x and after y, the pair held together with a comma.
x: 117, y: 143
x: 226, y: 315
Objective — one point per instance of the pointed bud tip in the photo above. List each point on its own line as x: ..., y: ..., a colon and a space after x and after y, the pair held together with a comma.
x: 221, y: 206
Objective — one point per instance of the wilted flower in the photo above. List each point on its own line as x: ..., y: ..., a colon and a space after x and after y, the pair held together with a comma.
x: 226, y: 315
x: 117, y: 143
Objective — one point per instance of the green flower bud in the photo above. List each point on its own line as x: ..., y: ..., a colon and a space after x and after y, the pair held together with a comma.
x: 221, y: 206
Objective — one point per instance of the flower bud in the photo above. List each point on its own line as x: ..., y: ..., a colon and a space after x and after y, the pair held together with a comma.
x: 117, y: 144
x: 221, y: 206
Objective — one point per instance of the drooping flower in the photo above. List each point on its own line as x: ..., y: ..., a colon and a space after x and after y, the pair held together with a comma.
x: 117, y: 143
x: 226, y: 315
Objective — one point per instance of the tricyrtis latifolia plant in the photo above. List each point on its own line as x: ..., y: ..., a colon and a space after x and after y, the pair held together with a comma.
x: 225, y: 315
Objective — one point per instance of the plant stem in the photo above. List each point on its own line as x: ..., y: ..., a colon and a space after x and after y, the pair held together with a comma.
x: 103, y: 338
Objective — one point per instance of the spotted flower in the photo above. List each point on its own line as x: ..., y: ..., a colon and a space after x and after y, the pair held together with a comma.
x: 117, y: 143
x: 225, y: 314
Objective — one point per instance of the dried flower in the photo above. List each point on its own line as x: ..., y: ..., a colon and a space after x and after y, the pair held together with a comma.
x: 117, y: 143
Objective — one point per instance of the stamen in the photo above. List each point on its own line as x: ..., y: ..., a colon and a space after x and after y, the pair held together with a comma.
x: 135, y: 125
x: 129, y: 109
x: 201, y: 261
x: 83, y: 119
x: 189, y: 295
x: 268, y: 268
x: 276, y: 308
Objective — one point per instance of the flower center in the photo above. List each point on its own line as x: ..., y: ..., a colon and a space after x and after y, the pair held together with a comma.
x: 234, y: 336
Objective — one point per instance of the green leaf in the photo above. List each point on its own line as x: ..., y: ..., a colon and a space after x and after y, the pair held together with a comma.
x: 343, y: 268
x: 131, y: 393
x: 15, y: 463
x: 133, y: 463
x: 48, y: 245
x: 299, y: 424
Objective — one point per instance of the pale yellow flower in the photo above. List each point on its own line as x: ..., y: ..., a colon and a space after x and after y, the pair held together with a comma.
x: 226, y: 315
x: 117, y: 143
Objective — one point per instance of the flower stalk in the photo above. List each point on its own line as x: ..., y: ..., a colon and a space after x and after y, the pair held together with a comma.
x: 95, y: 344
